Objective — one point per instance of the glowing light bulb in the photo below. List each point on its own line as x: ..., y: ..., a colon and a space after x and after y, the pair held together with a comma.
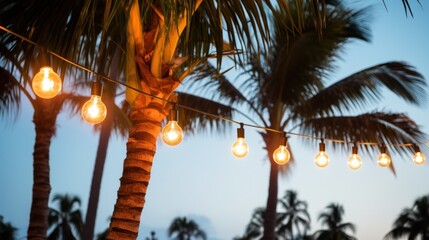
x: 281, y: 155
x: 94, y: 111
x: 322, y: 158
x: 240, y: 147
x: 384, y: 158
x: 46, y: 83
x: 172, y: 133
x: 419, y: 158
x: 354, y: 162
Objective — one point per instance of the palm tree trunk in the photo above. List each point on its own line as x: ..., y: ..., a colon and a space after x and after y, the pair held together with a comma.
x: 44, y: 119
x: 271, y: 207
x: 100, y: 159
x: 141, y: 147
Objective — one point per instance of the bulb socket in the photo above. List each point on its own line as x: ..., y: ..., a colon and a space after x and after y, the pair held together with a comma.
x: 44, y: 57
x: 416, y: 148
x: 355, y: 149
x: 383, y: 149
x: 173, y: 114
x: 240, y: 132
x: 96, y: 88
x: 322, y: 146
x: 284, y: 141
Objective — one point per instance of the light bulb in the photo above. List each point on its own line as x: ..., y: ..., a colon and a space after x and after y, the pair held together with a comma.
x: 322, y: 158
x: 384, y: 158
x: 94, y: 111
x: 46, y: 83
x: 172, y: 133
x: 240, y: 147
x: 281, y: 155
x: 419, y: 158
x: 354, y: 162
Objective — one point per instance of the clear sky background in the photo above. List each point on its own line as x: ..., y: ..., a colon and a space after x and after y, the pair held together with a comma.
x: 202, y: 180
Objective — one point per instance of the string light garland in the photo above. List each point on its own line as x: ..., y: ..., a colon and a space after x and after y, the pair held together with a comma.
x: 281, y: 155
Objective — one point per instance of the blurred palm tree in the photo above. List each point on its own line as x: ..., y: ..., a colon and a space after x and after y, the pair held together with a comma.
x: 293, y: 216
x: 183, y: 229
x: 332, y: 218
x: 412, y: 223
x: 284, y: 88
x: 7, y: 230
x: 65, y: 222
x: 15, y: 85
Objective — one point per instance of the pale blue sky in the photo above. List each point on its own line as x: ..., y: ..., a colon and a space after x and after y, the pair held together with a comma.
x: 200, y: 177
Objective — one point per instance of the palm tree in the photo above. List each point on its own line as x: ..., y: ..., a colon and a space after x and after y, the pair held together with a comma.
x: 412, y: 223
x: 15, y: 84
x: 183, y: 229
x: 156, y: 46
x: 14, y: 88
x: 284, y: 88
x: 295, y: 215
x: 255, y: 228
x: 332, y: 218
x: 89, y: 32
x: 7, y: 230
x: 65, y: 222
x: 152, y: 236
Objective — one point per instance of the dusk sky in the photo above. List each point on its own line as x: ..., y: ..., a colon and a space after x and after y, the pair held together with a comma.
x: 202, y: 180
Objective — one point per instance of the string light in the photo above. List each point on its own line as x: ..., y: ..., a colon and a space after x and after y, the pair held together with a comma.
x: 240, y: 147
x: 419, y: 158
x: 384, y: 158
x: 354, y: 162
x: 322, y: 158
x: 46, y: 83
x: 281, y: 155
x: 172, y: 133
x: 94, y: 111
x: 282, y: 152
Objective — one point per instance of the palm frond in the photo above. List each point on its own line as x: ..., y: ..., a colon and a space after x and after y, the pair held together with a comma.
x: 357, y: 90
x: 216, y: 84
x: 376, y: 127
x: 300, y: 59
x: 193, y: 121
x: 10, y: 94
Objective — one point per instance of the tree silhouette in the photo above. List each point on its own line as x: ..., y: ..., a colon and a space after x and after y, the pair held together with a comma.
x: 336, y: 229
x: 412, y: 223
x: 65, y: 222
x: 183, y: 229
x: 293, y: 215
x: 7, y: 230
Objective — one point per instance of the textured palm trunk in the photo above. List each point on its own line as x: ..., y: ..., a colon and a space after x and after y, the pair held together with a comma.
x: 141, y: 147
x: 44, y: 119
